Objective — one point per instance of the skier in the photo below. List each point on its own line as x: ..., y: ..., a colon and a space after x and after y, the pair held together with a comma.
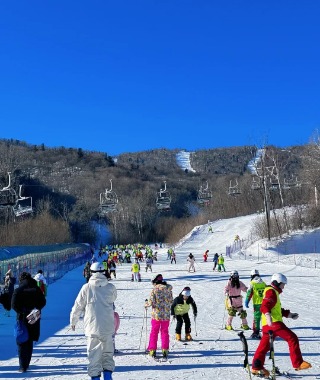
x: 233, y: 301
x: 135, y: 269
x: 41, y: 281
x: 210, y: 229
x: 86, y: 271
x: 160, y: 299
x: 112, y: 268
x: 191, y: 261
x: 96, y: 300
x: 180, y: 309
x: 215, y: 260
x: 255, y: 291
x: 149, y: 262
x: 271, y: 320
x: 205, y: 255
x: 221, y: 263
x: 173, y: 258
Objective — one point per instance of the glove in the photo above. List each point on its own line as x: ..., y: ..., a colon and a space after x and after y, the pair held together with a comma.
x: 247, y: 304
x: 268, y: 318
x: 293, y: 315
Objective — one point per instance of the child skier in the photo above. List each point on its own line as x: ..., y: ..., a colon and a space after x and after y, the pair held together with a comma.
x: 271, y: 319
x: 135, y: 269
x: 233, y: 301
x: 221, y: 263
x: 180, y: 309
x: 205, y: 255
x: 255, y: 291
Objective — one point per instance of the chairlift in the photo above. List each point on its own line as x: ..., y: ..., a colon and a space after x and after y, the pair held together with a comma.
x: 108, y: 201
x: 274, y: 185
x: 234, y: 190
x: 23, y: 205
x: 163, y: 201
x: 255, y: 185
x: 204, y: 194
x: 291, y: 183
x: 8, y: 196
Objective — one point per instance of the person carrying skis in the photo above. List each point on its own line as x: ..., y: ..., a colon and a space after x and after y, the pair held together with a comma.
x: 221, y: 263
x: 233, y: 300
x: 180, y: 309
x: 160, y: 300
x: 96, y: 301
x: 215, y: 261
x: 271, y: 320
x: 255, y: 291
x: 191, y: 261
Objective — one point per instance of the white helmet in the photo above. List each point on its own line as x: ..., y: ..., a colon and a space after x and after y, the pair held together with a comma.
x: 279, y: 278
x: 234, y: 273
x: 97, y: 267
x: 254, y: 272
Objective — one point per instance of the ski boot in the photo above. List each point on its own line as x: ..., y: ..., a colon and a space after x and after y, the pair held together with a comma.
x: 229, y: 327
x: 188, y: 337
x: 255, y: 335
x: 165, y: 354
x: 107, y: 375
x: 303, y: 365
x: 178, y: 337
x: 95, y: 378
x: 245, y: 327
x: 264, y: 373
x: 153, y: 353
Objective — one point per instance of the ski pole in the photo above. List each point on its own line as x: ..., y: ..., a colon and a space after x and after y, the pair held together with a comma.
x: 224, y: 312
x: 144, y: 315
x: 145, y: 344
x: 271, y: 340
x: 195, y: 325
x: 245, y: 350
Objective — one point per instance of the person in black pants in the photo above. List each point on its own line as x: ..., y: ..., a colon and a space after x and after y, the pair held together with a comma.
x: 25, y: 298
x: 179, y: 310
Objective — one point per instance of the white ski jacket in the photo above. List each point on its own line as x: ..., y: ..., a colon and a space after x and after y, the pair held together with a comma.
x: 95, y: 300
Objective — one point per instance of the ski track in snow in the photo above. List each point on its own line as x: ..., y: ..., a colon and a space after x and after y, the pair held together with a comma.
x: 215, y: 353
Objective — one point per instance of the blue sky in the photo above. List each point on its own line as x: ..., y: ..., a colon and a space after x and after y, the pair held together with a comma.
x: 132, y: 75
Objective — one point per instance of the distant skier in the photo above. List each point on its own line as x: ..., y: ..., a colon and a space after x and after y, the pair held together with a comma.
x: 215, y: 260
x: 149, y: 262
x: 234, y: 306
x: 221, y: 263
x: 173, y: 258
x: 180, y: 309
x: 210, y: 229
x: 135, y: 269
x: 271, y: 319
x: 191, y: 261
x: 255, y: 291
x: 205, y: 255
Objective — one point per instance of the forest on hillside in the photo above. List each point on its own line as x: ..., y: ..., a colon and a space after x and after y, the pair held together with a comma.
x: 68, y: 189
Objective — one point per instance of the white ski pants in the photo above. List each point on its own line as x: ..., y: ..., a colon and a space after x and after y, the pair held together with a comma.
x: 100, y: 355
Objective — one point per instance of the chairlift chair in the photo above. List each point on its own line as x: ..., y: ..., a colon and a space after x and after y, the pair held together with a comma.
x: 108, y: 201
x: 204, y: 195
x: 291, y: 183
x: 8, y: 196
x: 23, y: 205
x: 234, y: 190
x: 163, y: 201
x: 255, y: 185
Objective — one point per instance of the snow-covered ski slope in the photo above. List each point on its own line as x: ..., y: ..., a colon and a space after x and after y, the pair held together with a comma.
x: 215, y: 353
x: 183, y: 160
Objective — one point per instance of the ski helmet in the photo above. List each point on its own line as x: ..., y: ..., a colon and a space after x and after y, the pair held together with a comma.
x: 279, y: 278
x: 234, y: 273
x: 97, y: 267
x: 186, y: 291
x: 254, y: 272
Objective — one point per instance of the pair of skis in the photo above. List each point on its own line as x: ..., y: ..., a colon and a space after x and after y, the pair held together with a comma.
x: 275, y: 371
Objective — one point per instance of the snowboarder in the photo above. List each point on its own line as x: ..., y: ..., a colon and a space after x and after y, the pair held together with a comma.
x: 255, y: 291
x: 96, y: 300
x: 271, y: 320
x: 233, y: 300
x: 180, y: 309
x: 160, y: 300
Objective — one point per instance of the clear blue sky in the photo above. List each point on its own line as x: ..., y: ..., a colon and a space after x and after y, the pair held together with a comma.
x: 130, y: 75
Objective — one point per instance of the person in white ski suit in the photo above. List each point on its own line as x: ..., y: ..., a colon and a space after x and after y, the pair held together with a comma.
x: 95, y: 300
x: 191, y: 261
